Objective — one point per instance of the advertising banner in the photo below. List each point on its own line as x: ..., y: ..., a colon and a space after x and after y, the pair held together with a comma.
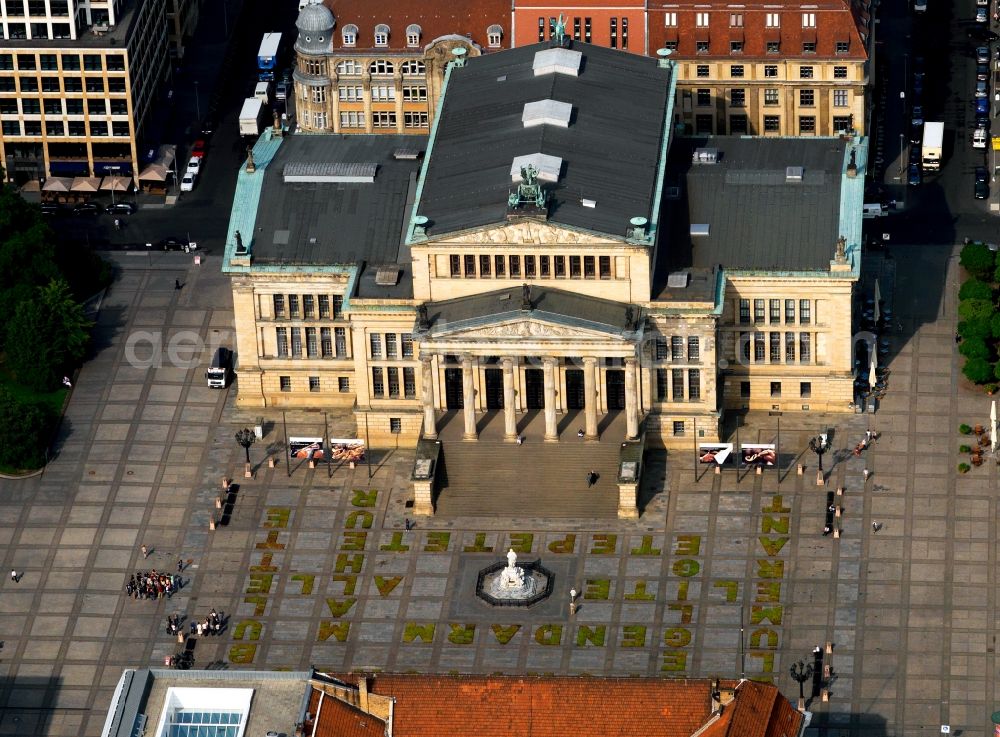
x: 717, y: 453
x: 306, y: 448
x: 758, y: 454
x: 347, y: 450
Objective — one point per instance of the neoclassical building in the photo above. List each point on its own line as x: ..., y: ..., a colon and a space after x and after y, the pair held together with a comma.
x: 548, y: 247
x: 377, y: 67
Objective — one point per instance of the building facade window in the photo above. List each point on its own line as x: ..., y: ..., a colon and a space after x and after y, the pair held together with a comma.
x: 737, y: 97
x: 694, y: 349
x: 701, y: 20
x: 415, y: 120
x: 414, y: 94
x: 319, y: 120
x: 702, y: 70
x: 701, y: 47
x: 736, y: 71
x: 383, y: 119
x: 670, y: 20
x: 772, y: 123
x: 842, y: 123
x: 805, y: 311
x: 352, y: 119
x: 805, y: 348
x: 340, y: 342
x: 807, y: 124
x: 775, y: 389
x: 807, y: 98
x: 771, y: 96
x: 808, y: 47
x: 774, y: 47
x: 314, y: 383
x: 694, y: 384
x: 805, y: 72
x: 736, y: 20
x: 676, y: 348
x: 704, y: 97
x: 840, y: 98
x: 842, y: 47
x: 840, y: 72
x: 677, y: 385
x: 774, y: 342
x: 378, y: 382
x: 770, y: 70
x: 735, y: 47
x: 661, y: 385
x: 744, y: 311
x: 805, y: 389
x: 395, y: 425
x: 296, y: 342
x: 758, y: 310
x: 281, y: 340
x: 318, y: 94
x: 678, y: 428
x: 285, y: 383
x: 789, y: 347
x: 772, y: 20
x: 343, y: 384
x: 808, y: 20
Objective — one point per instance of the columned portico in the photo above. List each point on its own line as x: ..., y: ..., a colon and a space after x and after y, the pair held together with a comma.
x: 509, y: 401
x: 468, y: 398
x: 549, y: 369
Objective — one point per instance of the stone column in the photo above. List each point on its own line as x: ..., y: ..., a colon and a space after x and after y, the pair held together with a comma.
x: 549, y: 373
x: 631, y: 401
x: 509, y: 416
x: 469, y: 399
x: 590, y: 397
x: 427, y: 395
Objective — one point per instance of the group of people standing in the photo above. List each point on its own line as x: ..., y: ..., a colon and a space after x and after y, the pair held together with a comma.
x: 152, y: 585
x: 212, y: 624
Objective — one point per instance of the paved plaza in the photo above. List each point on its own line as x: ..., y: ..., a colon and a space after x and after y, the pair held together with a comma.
x: 318, y: 568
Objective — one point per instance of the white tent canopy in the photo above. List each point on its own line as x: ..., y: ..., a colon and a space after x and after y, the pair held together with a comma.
x: 57, y: 184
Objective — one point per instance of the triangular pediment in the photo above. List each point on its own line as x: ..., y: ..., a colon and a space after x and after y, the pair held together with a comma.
x: 526, y: 232
x: 530, y: 328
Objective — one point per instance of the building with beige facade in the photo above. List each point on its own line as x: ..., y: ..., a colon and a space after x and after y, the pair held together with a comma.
x: 77, y: 84
x: 535, y: 256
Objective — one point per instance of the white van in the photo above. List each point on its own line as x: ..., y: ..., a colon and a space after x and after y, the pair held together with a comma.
x: 188, y: 181
x: 262, y: 91
x: 979, y: 138
x: 872, y: 210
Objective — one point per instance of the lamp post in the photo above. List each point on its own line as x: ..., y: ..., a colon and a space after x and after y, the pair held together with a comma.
x: 801, y: 672
x: 246, y: 438
x: 819, y: 446
x: 902, y: 136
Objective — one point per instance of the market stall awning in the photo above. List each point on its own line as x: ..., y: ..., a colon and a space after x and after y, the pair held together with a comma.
x: 86, y: 184
x: 116, y: 184
x: 57, y: 184
x: 154, y: 173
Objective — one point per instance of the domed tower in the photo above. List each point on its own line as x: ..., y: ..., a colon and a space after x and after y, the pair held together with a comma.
x: 315, y: 29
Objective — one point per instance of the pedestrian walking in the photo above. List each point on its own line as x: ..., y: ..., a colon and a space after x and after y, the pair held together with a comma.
x: 145, y: 551
x: 827, y: 530
x: 408, y: 523
x: 177, y: 283
x: 866, y: 473
x: 118, y: 224
x: 13, y: 575
x: 67, y: 383
x: 876, y: 526
x: 591, y: 478
x: 180, y: 565
x: 520, y: 439
x: 580, y: 433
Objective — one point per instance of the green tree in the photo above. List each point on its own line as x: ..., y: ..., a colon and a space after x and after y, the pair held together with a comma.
x: 978, y: 260
x: 974, y: 348
x: 970, y: 329
x: 978, y: 370
x: 71, y: 326
x: 976, y: 309
x: 975, y: 289
x: 25, y: 431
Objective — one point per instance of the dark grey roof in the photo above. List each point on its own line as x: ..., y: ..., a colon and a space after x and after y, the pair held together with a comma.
x: 757, y: 218
x: 315, y: 18
x: 552, y: 305
x: 609, y: 152
x: 349, y: 222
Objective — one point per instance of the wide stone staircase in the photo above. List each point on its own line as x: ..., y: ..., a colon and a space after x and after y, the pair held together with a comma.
x: 490, y: 477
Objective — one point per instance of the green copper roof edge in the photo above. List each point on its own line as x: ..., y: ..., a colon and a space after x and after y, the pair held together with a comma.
x: 427, y: 154
x: 852, y: 198
x: 720, y: 292
x: 654, y: 219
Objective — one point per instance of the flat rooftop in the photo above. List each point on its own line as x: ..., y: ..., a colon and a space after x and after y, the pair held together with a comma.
x: 603, y: 126
x: 332, y: 199
x: 114, y: 39
x: 767, y: 204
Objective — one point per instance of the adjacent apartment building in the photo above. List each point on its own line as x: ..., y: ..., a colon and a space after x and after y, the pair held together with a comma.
x: 77, y: 82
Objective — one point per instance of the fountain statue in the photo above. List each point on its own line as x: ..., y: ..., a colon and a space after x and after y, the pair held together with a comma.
x: 512, y: 584
x: 512, y: 577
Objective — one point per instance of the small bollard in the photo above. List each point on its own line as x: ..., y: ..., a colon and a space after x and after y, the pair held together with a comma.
x: 836, y: 533
x: 247, y: 471
x: 226, y: 481
x: 829, y: 648
x: 211, y: 523
x: 837, y: 512
x: 800, y: 469
x: 718, y: 470
x: 827, y: 670
x: 218, y: 504
x: 270, y: 462
x: 312, y: 463
x: 820, y: 481
x: 866, y: 473
x: 840, y: 491
x: 759, y: 471
x: 825, y: 695
x: 180, y: 637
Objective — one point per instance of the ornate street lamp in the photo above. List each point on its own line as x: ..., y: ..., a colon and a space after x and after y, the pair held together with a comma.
x: 246, y: 438
x: 819, y: 446
x: 801, y: 672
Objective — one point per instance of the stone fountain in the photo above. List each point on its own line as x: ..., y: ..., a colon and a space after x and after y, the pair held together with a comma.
x: 513, y: 584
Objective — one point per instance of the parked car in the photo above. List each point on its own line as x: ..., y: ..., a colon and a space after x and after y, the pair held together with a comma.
x: 208, y: 126
x: 173, y: 243
x: 122, y: 208
x: 918, y: 87
x: 87, y: 208
x: 982, y: 89
x: 979, y: 138
x: 916, y: 134
x: 982, y: 106
x: 194, y: 164
x: 914, y: 155
x: 917, y: 115
x: 982, y: 15
x: 982, y: 55
x: 53, y: 208
x: 983, y: 121
x: 286, y: 76
x: 981, y: 33
x: 187, y: 181
x: 913, y: 177
x: 982, y: 72
x: 281, y: 91
x: 983, y: 3
x: 982, y: 187
x: 198, y: 148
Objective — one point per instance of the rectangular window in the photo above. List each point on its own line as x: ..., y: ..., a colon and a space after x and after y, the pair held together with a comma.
x: 737, y: 98
x: 338, y: 306
x: 26, y: 62
x: 390, y: 346
x: 694, y: 350
x: 293, y: 305
x: 281, y: 335
x: 314, y: 383
x: 736, y: 71
x: 758, y: 347
x: 296, y: 342
x: 840, y: 98
x: 574, y: 267
x: 840, y: 72
x: 586, y: 29
x: 604, y: 266
x: 484, y: 266
x: 745, y: 389
x: 805, y: 311
x: 52, y: 107
x: 325, y: 343
x: 807, y: 124
x: 375, y: 344
x: 676, y: 348
x: 409, y: 383
x: 736, y: 20
x: 378, y: 383
x: 772, y: 123
x: 543, y: 267
x: 771, y: 96
x: 624, y: 33
x: 576, y: 28
x: 677, y: 384
x: 406, y: 343
x: 351, y: 119
x: 308, y: 305
x: 54, y: 128
x: 789, y: 347
x: 808, y: 47
x: 775, y: 345
x: 343, y: 384
x: 701, y: 47
x: 383, y: 119
x: 392, y: 374
x: 530, y: 270
x: 469, y: 263
x: 807, y: 98
x: 775, y: 389
x: 670, y: 20
x: 774, y: 310
x: 842, y: 123
x: 842, y: 47
x: 324, y: 307
x: 789, y: 311
x: 704, y: 97
x: 589, y: 270
x: 735, y: 47
x: 414, y: 94
x: 744, y: 311
x: 773, y: 20
x: 662, y: 389
x: 515, y: 266
x: 770, y: 70
x: 805, y: 389
x: 758, y: 310
x: 808, y: 20
x: 285, y: 382
x: 701, y: 20
x: 660, y: 346
x: 30, y: 84
x: 13, y: 128
x: 501, y: 264
x: 702, y: 70
x: 560, y: 263
x: 805, y: 72
x: 318, y: 94
x: 743, y: 345
x: 694, y: 384
x: 614, y: 33
x: 415, y: 120
x: 773, y: 47
x: 455, y: 265
x: 678, y: 428
x: 340, y: 341
x: 6, y: 63
x: 311, y: 346
x: 805, y: 349
x: 541, y: 29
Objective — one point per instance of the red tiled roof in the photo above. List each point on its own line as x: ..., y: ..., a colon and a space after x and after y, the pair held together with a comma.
x: 759, y: 710
x: 462, y: 17
x: 502, y: 706
x: 339, y: 719
x: 836, y: 21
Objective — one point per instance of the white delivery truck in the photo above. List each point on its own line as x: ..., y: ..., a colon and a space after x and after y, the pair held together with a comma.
x: 930, y: 154
x: 262, y: 92
x: 252, y: 117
